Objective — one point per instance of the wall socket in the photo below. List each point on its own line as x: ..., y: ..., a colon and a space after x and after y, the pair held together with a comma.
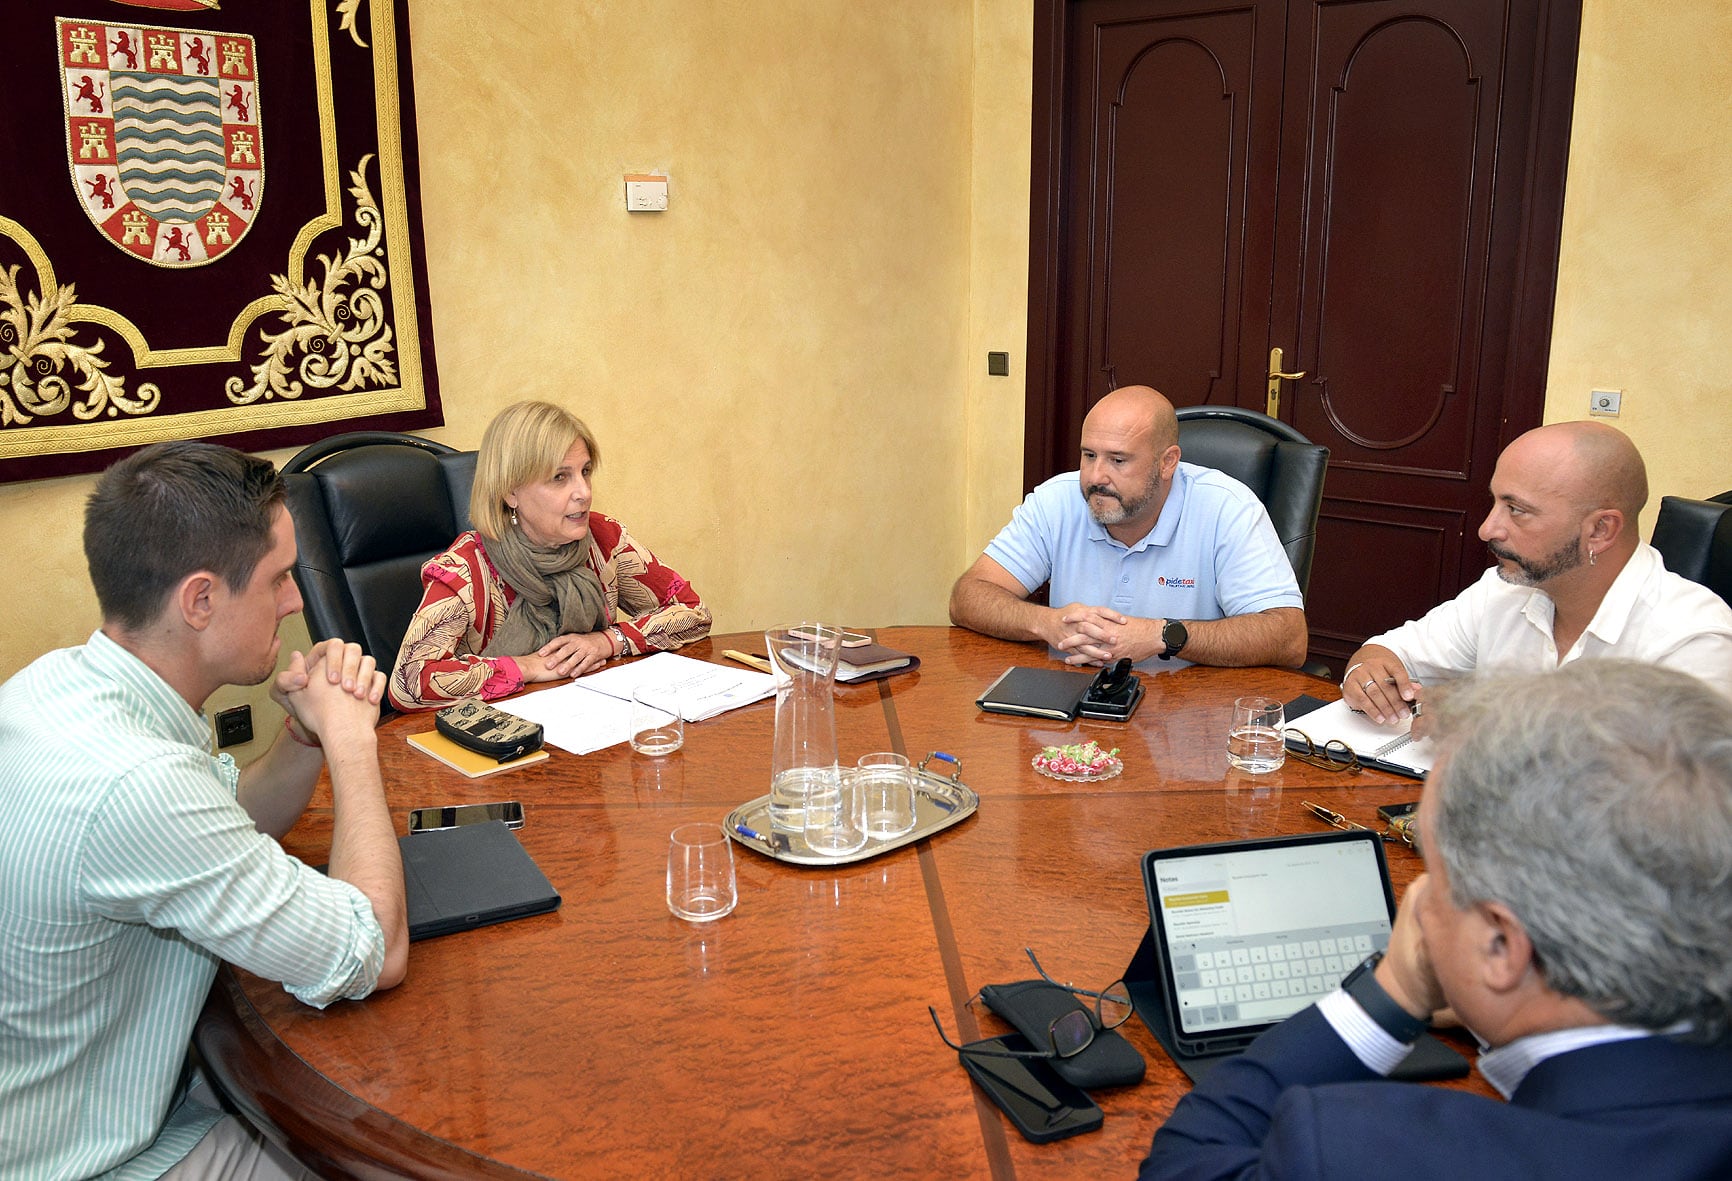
x: 234, y: 726
x: 1605, y: 403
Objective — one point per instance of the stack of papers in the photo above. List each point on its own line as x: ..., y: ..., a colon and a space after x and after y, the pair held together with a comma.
x: 594, y: 712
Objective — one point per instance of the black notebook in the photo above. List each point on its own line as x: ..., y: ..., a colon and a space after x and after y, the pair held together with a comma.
x: 1037, y: 692
x: 470, y: 876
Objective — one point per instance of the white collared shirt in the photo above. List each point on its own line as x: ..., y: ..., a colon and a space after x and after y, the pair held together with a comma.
x: 1504, y: 1067
x: 1648, y: 614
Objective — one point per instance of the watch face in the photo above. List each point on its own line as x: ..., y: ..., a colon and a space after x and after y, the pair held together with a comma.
x: 1174, y: 636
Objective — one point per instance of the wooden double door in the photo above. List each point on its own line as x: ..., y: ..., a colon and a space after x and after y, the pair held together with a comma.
x: 1373, y: 187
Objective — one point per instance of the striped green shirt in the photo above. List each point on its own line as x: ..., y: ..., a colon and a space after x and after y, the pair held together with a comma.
x: 127, y: 871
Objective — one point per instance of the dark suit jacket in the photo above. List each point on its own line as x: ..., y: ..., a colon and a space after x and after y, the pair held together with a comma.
x: 1297, y: 1104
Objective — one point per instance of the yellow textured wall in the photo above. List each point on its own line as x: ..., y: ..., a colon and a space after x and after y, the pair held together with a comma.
x: 774, y: 367
x: 1644, y: 287
x: 998, y: 303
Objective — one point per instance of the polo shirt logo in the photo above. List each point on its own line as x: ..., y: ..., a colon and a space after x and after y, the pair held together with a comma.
x: 1178, y: 583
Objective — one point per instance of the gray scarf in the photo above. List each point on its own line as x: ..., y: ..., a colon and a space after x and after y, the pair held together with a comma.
x: 557, y: 593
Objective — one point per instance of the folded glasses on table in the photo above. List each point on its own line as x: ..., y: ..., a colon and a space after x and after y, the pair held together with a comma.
x: 1069, y: 1033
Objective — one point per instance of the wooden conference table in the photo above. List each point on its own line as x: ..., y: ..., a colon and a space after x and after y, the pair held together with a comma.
x: 610, y: 1039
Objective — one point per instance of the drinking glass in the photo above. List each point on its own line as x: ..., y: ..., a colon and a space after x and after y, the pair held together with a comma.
x: 835, y: 817
x: 701, y: 885
x: 887, y: 782
x: 1254, y: 742
x: 657, y: 728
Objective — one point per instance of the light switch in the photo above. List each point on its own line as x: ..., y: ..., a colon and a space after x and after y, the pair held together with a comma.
x: 646, y: 192
x: 1606, y: 403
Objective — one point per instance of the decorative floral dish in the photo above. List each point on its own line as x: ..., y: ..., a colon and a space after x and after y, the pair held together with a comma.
x: 1083, y: 762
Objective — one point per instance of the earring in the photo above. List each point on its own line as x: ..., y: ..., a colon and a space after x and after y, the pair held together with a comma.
x: 1590, y: 557
x: 514, y: 521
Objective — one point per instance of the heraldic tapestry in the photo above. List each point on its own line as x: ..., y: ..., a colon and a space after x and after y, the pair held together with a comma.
x: 210, y: 227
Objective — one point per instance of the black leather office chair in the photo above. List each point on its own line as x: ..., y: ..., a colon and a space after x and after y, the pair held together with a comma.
x: 370, y: 507
x: 1695, y: 539
x: 1282, y: 466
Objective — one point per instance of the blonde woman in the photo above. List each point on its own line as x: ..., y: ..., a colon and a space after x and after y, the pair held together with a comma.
x: 543, y: 587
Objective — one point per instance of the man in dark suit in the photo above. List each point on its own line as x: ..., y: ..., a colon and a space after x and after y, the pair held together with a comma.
x: 1576, y: 916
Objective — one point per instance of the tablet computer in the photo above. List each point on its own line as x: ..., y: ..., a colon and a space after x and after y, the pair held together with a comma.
x: 1244, y: 934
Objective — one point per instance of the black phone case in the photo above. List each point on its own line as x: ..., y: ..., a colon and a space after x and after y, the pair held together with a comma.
x: 1117, y: 708
x: 1080, y: 1113
x: 1033, y: 1005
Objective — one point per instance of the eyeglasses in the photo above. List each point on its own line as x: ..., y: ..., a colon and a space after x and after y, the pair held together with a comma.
x: 1400, y: 829
x: 1070, y: 1033
x: 1334, y: 755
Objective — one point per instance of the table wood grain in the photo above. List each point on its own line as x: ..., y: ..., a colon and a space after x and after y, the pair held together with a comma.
x: 791, y: 1037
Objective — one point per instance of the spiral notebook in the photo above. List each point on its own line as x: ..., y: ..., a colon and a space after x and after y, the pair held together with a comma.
x: 1387, y: 748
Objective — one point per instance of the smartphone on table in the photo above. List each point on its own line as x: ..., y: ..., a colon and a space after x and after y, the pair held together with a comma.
x: 457, y: 815
x: 1042, y: 1105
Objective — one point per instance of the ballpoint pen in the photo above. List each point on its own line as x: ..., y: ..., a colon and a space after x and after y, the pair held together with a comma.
x: 1336, y: 819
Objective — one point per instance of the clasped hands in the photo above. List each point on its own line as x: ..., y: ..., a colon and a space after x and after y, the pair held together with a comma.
x: 570, y: 655
x: 1097, y: 636
x: 331, y: 686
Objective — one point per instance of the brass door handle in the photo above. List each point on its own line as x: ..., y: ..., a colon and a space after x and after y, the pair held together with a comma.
x: 1272, y: 401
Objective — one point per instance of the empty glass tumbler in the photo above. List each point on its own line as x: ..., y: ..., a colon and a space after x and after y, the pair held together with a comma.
x: 886, y: 785
x: 701, y: 884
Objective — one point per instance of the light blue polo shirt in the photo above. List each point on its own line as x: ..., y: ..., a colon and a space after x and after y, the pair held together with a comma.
x: 1212, y: 552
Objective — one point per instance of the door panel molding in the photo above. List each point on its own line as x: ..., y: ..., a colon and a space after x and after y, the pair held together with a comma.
x: 1170, y: 67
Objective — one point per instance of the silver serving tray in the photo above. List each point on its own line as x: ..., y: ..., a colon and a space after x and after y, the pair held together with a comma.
x: 939, y: 802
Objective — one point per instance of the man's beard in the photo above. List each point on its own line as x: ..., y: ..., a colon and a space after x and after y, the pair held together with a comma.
x: 1534, y: 571
x: 1121, y: 509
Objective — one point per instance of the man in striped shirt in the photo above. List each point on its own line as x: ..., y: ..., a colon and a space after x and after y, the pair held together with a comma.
x: 132, y: 860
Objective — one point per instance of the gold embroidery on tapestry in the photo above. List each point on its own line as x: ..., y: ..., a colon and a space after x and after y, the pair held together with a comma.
x: 337, y: 325
x: 37, y: 338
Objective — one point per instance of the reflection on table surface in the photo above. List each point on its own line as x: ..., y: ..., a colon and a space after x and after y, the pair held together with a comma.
x: 789, y: 1038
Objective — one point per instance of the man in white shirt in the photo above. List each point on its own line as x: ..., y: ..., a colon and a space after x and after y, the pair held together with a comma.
x: 1573, y: 580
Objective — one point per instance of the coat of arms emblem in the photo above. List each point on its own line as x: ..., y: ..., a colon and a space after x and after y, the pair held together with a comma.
x: 163, y: 136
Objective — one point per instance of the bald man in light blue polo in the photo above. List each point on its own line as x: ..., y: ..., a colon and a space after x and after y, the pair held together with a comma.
x: 1154, y: 559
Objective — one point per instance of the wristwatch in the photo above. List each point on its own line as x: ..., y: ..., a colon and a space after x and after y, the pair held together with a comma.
x: 1361, y: 984
x: 1174, y: 637
x: 619, y: 637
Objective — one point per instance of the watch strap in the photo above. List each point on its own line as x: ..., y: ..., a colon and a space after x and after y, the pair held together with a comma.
x: 1361, y: 984
x: 1174, y: 637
